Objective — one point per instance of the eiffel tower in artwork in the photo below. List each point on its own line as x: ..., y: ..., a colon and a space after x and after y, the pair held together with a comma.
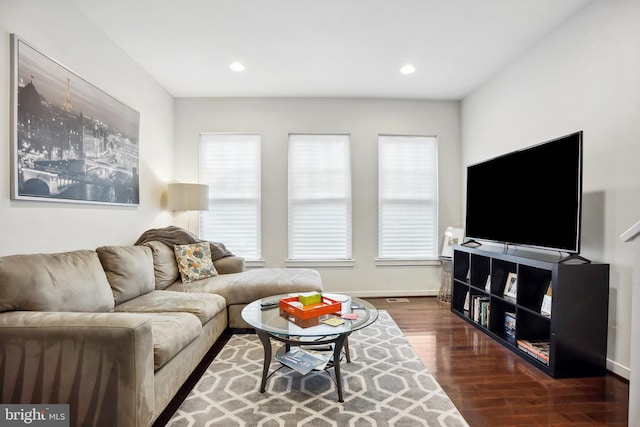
x: 67, y: 98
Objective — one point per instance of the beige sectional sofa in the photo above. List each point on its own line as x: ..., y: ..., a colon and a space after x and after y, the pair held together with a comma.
x: 114, y: 332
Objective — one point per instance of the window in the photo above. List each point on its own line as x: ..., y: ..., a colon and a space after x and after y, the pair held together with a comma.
x: 230, y: 165
x: 319, y: 197
x: 407, y: 197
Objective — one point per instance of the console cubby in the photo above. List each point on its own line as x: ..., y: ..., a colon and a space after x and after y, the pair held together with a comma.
x: 500, y: 270
x: 480, y: 270
x: 497, y: 321
x: 534, y: 283
x: 532, y: 327
x: 574, y: 336
x: 458, y: 295
x: 461, y: 268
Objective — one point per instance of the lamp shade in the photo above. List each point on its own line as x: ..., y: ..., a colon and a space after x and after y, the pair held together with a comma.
x: 188, y: 197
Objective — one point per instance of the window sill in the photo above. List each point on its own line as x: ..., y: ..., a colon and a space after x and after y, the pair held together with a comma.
x: 320, y: 263
x: 255, y: 263
x: 386, y: 262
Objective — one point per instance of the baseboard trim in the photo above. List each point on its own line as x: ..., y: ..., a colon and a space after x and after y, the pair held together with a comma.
x: 385, y: 294
x: 619, y: 370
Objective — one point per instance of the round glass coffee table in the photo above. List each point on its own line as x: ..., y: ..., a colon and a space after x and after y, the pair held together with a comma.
x: 265, y: 316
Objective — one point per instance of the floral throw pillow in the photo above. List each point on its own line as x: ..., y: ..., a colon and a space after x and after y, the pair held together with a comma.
x: 194, y: 261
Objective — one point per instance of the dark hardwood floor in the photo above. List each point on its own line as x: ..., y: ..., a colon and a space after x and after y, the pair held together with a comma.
x: 492, y: 386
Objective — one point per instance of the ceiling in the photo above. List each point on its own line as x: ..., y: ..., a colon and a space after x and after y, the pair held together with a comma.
x: 326, y: 48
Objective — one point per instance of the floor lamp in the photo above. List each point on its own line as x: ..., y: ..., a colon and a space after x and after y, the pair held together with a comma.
x: 188, y: 197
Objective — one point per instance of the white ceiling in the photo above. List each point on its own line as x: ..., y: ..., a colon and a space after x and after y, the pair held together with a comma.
x: 326, y: 48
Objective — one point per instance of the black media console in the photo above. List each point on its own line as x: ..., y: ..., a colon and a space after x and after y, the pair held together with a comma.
x: 566, y: 338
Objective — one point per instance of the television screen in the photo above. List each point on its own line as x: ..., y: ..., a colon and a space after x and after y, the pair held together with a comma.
x: 529, y: 197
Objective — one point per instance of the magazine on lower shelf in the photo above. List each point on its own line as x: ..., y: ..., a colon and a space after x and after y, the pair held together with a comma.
x: 322, y: 354
x: 303, y: 361
x: 538, y: 349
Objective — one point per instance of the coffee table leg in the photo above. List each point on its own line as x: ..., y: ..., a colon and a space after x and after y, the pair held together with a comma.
x: 266, y: 345
x: 337, y: 350
x: 346, y: 349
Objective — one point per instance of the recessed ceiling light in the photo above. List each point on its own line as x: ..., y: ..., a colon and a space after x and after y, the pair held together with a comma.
x: 407, y: 69
x: 237, y: 66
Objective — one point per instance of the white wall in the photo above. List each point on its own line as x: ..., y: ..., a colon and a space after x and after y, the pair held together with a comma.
x: 585, y: 75
x: 632, y: 235
x: 275, y: 118
x: 57, y: 29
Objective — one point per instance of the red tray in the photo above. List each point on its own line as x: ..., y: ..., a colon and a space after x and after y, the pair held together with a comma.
x: 327, y: 306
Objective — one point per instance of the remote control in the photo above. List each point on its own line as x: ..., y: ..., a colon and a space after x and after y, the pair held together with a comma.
x: 265, y: 305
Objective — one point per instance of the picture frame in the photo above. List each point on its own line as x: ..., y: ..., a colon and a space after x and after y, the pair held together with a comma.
x: 70, y: 141
x: 452, y: 236
x: 511, y: 286
x: 545, y: 308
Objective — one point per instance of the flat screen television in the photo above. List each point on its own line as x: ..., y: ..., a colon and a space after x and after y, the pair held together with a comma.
x: 530, y: 197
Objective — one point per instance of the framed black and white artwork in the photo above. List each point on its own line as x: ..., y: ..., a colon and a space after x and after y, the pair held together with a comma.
x: 71, y: 142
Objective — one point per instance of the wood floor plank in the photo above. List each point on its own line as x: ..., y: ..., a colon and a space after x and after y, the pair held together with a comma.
x: 492, y: 386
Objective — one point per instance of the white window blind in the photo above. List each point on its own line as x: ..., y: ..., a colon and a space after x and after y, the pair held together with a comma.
x: 230, y: 165
x: 407, y: 197
x: 319, y: 197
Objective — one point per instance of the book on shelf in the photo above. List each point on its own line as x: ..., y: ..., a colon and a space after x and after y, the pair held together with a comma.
x: 510, y: 326
x: 487, y: 285
x: 538, y: 349
x: 485, y: 313
x: 477, y: 302
x: 545, y: 309
x: 466, y: 302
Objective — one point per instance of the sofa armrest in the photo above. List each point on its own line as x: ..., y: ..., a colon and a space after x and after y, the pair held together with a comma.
x: 101, y: 364
x: 230, y: 264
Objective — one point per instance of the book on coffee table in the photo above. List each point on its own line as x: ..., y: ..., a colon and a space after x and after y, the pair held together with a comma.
x: 323, y: 355
x: 300, y: 360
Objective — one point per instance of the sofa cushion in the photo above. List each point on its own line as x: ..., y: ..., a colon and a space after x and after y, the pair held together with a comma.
x: 250, y: 285
x: 165, y: 266
x: 129, y: 270
x: 68, y: 281
x: 228, y: 265
x: 171, y: 333
x: 194, y: 261
x: 204, y: 306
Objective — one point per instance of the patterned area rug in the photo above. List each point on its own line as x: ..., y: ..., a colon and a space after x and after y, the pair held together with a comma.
x: 385, y: 384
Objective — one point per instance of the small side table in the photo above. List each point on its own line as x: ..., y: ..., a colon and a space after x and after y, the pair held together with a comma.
x: 444, y: 293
